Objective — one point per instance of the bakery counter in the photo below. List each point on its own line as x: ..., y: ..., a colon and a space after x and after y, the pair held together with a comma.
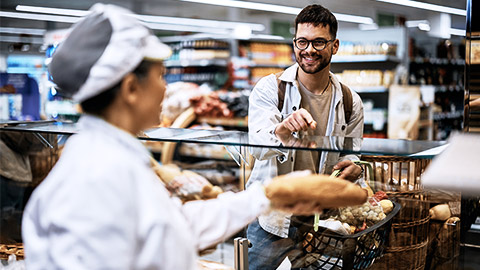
x: 242, y: 158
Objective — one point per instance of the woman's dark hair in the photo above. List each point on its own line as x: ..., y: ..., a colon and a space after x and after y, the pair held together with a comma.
x: 316, y: 15
x: 97, y: 104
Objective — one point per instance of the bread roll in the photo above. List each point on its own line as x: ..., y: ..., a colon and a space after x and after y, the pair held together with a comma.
x: 328, y: 192
x: 440, y: 212
x: 387, y: 206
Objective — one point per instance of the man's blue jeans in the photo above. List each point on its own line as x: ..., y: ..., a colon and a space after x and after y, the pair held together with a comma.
x: 268, y: 250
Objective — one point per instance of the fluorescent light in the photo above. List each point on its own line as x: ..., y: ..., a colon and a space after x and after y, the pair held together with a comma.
x: 353, y: 18
x: 199, y: 22
x: 458, y: 32
x: 267, y: 37
x: 186, y: 28
x: 28, y: 31
x: 278, y: 9
x: 150, y: 19
x: 427, y: 6
x: 249, y: 5
x: 415, y: 23
x: 424, y: 27
x: 56, y: 11
x: 38, y: 17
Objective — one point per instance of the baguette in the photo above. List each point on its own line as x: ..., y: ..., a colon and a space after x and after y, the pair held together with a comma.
x: 327, y: 192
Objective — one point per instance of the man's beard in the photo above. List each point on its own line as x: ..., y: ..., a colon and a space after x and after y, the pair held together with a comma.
x: 320, y: 64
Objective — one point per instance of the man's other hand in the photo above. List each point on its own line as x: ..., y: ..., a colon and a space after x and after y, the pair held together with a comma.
x: 350, y: 170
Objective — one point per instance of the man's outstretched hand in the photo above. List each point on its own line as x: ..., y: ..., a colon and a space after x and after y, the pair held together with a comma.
x: 300, y: 120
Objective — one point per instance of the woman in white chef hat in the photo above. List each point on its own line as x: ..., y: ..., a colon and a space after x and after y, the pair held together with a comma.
x: 102, y: 206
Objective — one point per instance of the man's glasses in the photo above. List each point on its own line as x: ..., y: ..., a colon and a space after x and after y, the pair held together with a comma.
x: 318, y: 44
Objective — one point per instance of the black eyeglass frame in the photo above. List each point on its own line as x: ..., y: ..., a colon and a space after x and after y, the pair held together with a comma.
x: 312, y: 41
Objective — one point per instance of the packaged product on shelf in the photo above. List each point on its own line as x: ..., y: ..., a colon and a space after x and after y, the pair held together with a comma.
x: 475, y: 52
x: 200, y: 49
x: 177, y: 98
x: 375, y: 48
x: 366, y: 78
x: 403, y: 112
x: 210, y: 105
x: 260, y: 72
x: 237, y: 102
x: 271, y: 53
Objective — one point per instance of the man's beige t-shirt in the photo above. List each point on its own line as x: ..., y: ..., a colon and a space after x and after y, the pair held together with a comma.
x: 319, y: 107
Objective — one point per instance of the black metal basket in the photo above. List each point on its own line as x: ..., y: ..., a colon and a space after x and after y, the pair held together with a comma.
x: 326, y: 249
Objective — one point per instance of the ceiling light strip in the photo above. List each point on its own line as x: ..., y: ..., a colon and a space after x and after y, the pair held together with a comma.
x: 56, y: 11
x: 185, y: 28
x: 427, y: 6
x: 278, y: 9
x: 458, y: 32
x: 353, y: 18
x: 249, y: 5
x: 148, y: 18
x: 415, y: 23
x: 38, y: 17
x: 199, y: 22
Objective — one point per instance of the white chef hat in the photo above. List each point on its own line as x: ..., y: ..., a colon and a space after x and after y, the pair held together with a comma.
x: 100, y: 50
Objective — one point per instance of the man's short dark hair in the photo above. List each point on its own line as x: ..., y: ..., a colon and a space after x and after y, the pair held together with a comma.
x: 316, y: 15
x: 97, y: 104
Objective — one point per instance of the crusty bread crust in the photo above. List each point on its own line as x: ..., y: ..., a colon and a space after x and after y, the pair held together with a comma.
x: 327, y: 191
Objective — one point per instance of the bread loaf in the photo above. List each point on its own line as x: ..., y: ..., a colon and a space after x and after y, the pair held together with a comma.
x: 327, y: 192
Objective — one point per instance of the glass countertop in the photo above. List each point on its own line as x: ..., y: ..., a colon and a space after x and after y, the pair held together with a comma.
x: 346, y: 145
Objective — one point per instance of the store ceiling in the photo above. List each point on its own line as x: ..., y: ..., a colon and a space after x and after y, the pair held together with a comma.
x: 179, y: 8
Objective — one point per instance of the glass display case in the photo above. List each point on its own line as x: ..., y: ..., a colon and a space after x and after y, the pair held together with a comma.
x: 231, y: 160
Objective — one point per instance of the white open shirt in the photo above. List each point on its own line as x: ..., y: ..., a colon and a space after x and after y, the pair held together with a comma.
x: 102, y: 207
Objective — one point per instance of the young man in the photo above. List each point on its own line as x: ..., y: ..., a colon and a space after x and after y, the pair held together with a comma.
x: 311, y: 102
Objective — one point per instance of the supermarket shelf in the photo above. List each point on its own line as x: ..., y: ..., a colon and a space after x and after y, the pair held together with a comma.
x: 447, y: 115
x: 364, y: 58
x: 474, y: 129
x: 200, y: 152
x: 438, y: 61
x: 199, y: 36
x: 196, y: 63
x: 443, y: 88
x: 369, y: 89
x: 272, y: 65
x: 449, y: 88
x: 232, y: 122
